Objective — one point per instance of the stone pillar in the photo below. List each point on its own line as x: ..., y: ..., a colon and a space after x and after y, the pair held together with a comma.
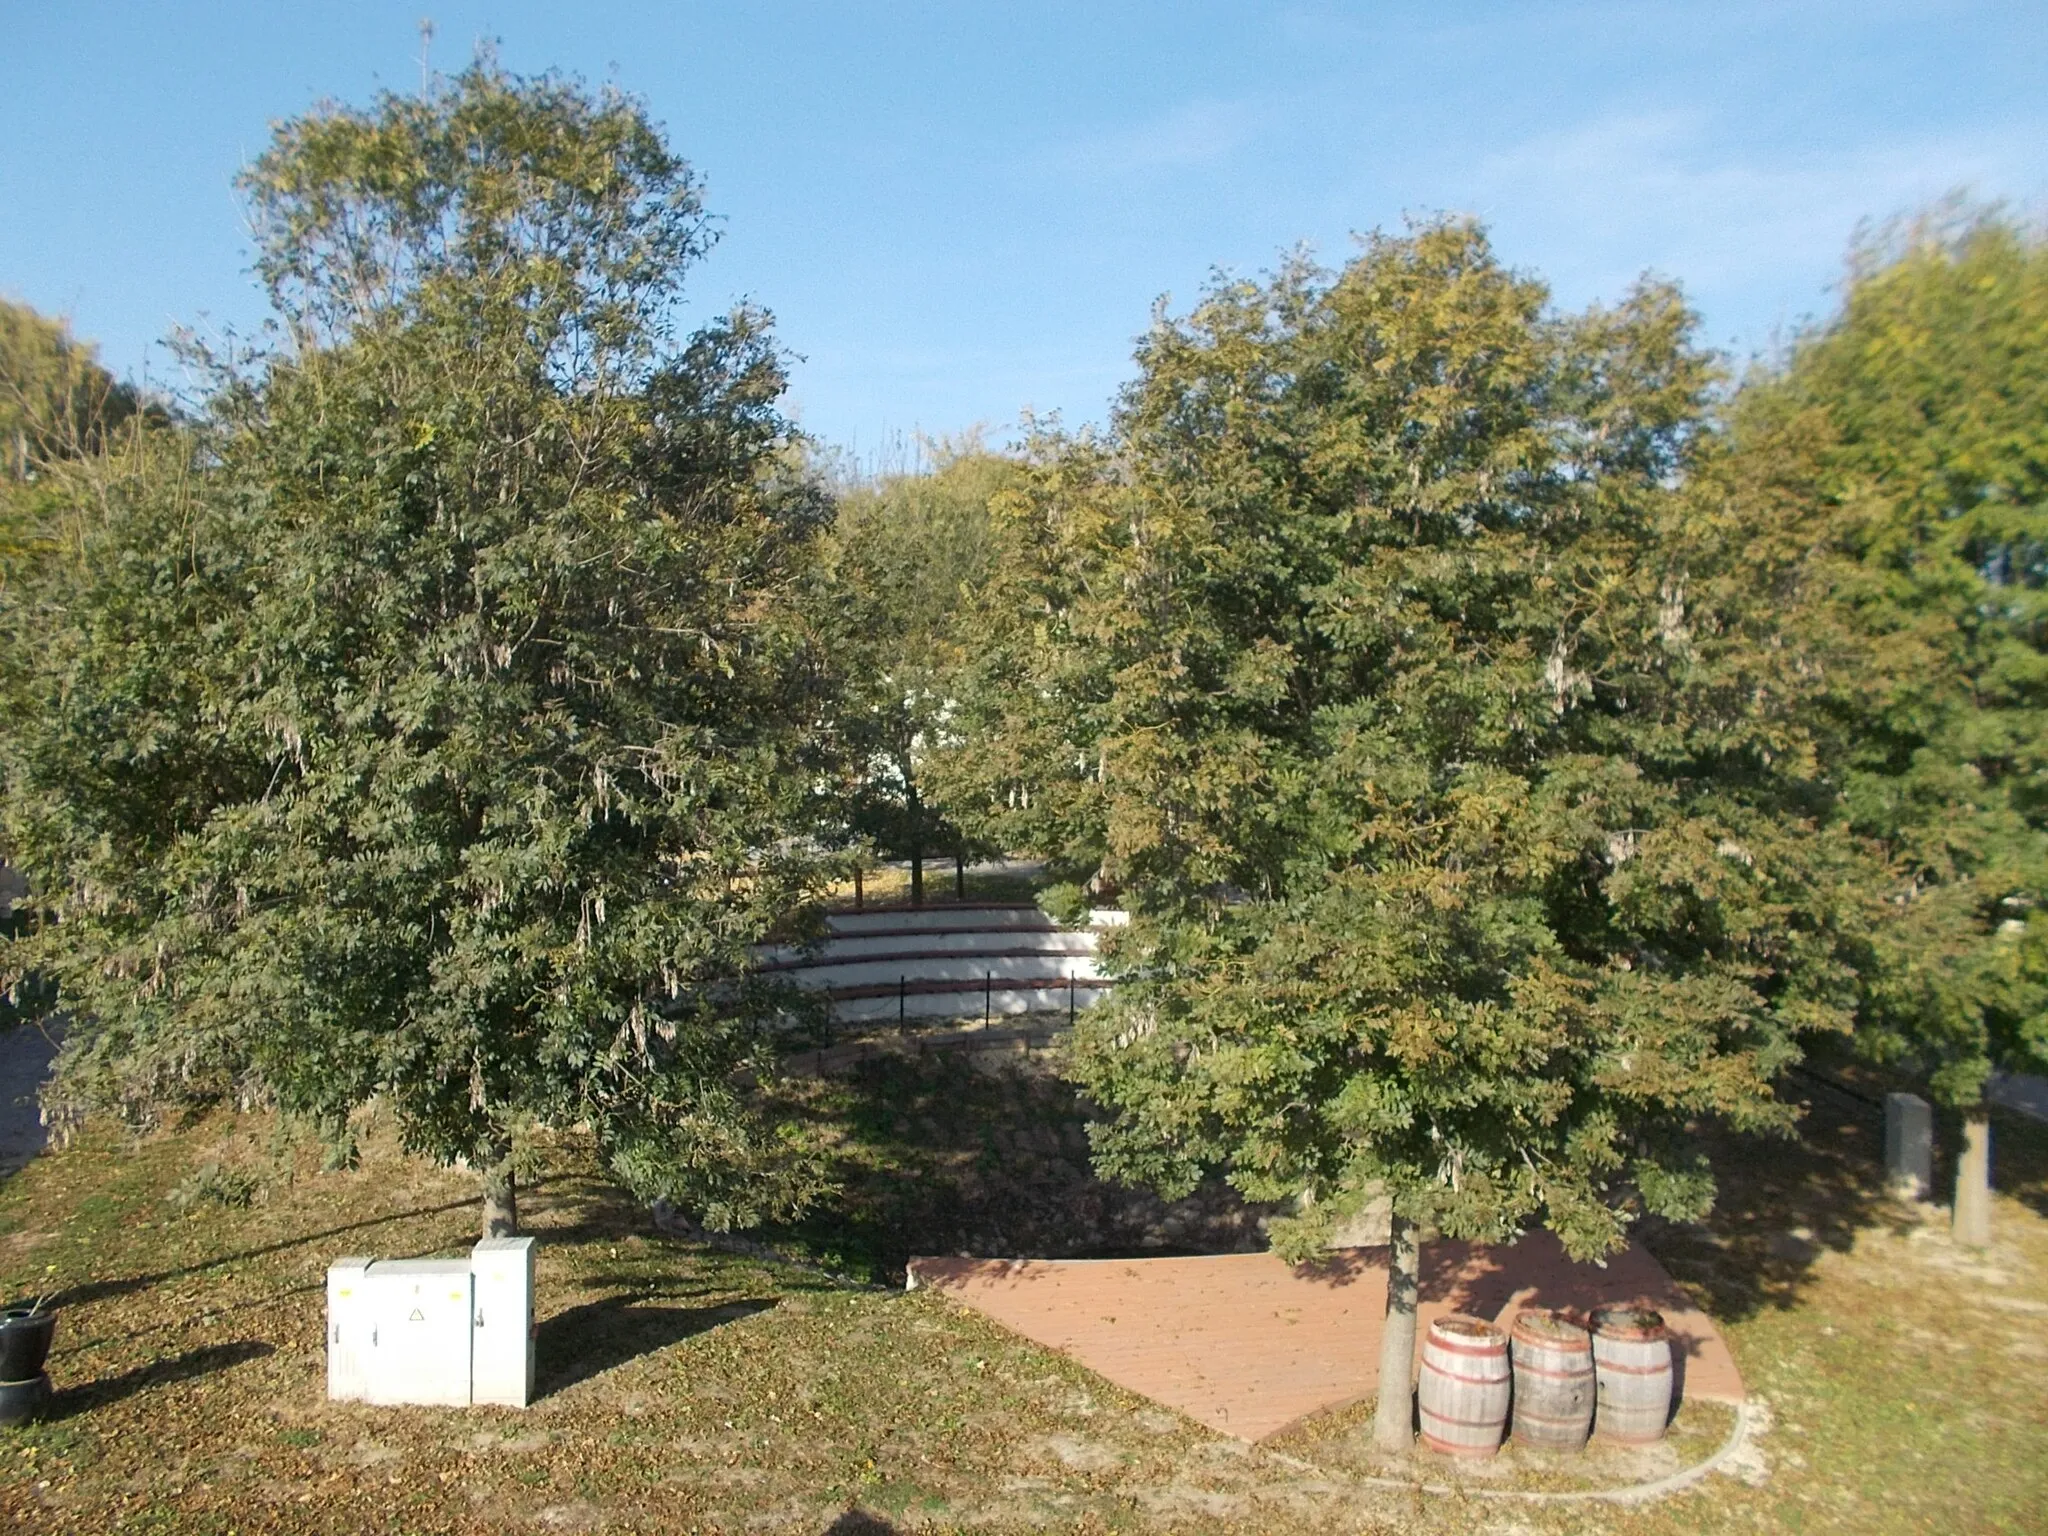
x: 1909, y: 1146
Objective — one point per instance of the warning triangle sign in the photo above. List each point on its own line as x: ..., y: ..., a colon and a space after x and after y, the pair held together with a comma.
x: 417, y: 1316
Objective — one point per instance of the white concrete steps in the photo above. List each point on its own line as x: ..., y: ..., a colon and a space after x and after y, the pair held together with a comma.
x: 953, y: 961
x: 927, y: 943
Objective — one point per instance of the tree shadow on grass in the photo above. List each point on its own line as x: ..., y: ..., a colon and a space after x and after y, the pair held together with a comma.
x: 2019, y: 1157
x: 941, y: 1155
x: 126, y: 1285
x: 194, y: 1363
x: 859, y: 1522
x: 1781, y: 1204
x: 587, y: 1341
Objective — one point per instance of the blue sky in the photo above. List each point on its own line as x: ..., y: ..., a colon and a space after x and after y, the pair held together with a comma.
x: 960, y: 211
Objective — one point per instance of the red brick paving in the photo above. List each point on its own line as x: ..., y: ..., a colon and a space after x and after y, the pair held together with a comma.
x: 1248, y: 1346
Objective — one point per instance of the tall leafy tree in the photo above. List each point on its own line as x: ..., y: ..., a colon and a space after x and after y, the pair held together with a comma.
x: 894, y: 608
x: 56, y: 401
x: 420, y: 723
x: 1020, y: 762
x: 1443, y: 752
x: 56, y: 404
x: 1906, y: 438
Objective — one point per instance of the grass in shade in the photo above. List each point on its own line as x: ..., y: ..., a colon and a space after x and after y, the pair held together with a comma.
x: 685, y: 1387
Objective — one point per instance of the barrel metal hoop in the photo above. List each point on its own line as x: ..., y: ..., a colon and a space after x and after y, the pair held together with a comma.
x: 1471, y: 1381
x: 1445, y: 1418
x: 1436, y: 1341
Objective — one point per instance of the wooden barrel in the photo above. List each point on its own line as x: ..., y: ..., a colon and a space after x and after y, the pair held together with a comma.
x: 1553, y: 1381
x: 1463, y: 1392
x: 1632, y: 1361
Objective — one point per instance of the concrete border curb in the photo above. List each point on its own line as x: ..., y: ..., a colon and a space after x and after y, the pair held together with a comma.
x: 1634, y: 1493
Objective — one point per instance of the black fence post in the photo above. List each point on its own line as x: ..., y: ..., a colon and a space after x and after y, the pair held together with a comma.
x: 1070, y: 1002
x: 902, y: 1003
x: 988, y: 991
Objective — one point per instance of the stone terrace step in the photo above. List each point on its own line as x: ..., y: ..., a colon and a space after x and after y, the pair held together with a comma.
x: 926, y: 944
x: 839, y: 975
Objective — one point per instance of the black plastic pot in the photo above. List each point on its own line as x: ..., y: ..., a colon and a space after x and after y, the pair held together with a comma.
x: 24, y: 1343
x: 23, y: 1401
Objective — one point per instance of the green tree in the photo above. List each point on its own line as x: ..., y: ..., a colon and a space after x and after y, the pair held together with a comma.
x: 894, y: 609
x: 1020, y: 763
x: 1906, y: 439
x: 420, y: 722
x: 56, y: 401
x: 56, y: 404
x: 1445, y: 754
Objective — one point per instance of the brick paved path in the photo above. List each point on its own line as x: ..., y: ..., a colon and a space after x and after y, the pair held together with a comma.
x: 1248, y: 1346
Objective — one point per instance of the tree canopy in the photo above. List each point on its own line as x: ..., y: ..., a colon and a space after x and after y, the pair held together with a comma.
x: 894, y: 609
x: 1471, y: 848
x: 57, y: 404
x: 420, y: 723
x: 1905, y: 440
x: 56, y: 401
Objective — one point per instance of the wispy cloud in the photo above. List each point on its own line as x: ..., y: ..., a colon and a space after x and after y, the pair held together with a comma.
x: 1622, y: 192
x: 1194, y: 134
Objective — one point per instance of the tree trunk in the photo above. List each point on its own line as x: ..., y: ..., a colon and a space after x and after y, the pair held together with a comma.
x: 859, y: 894
x: 501, y: 1194
x: 1973, y: 1181
x: 959, y: 876
x: 915, y: 805
x: 1393, y: 1421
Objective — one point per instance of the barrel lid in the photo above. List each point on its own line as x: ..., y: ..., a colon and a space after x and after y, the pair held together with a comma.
x: 1465, y: 1326
x: 1540, y: 1325
x: 1628, y: 1321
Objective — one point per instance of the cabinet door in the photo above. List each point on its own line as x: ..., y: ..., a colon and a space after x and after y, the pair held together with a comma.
x: 420, y: 1314
x: 501, y: 1363
x: 348, y: 1331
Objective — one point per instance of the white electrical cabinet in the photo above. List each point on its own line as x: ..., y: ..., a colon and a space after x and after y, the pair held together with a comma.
x: 437, y: 1332
x: 501, y: 1344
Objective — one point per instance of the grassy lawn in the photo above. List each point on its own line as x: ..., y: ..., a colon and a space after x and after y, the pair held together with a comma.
x: 890, y: 885
x: 689, y: 1388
